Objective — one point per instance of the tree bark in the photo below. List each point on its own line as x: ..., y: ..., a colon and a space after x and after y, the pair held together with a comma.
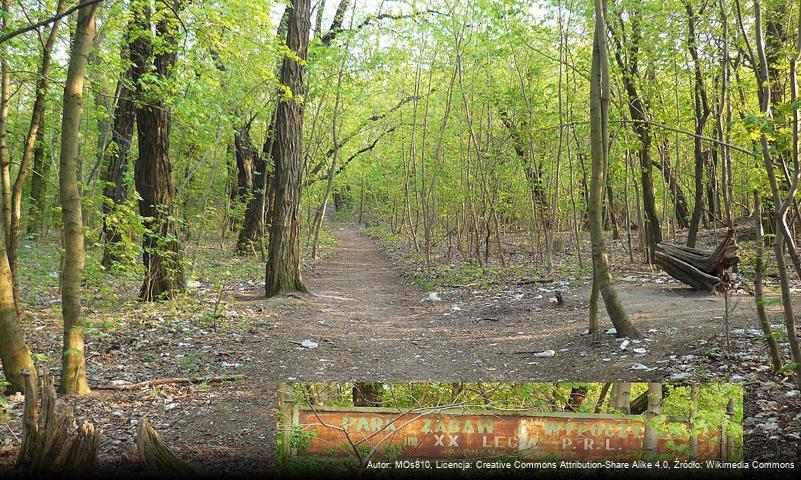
x: 759, y: 295
x: 703, y: 270
x: 41, y: 168
x: 283, y: 264
x: 155, y: 454
x: 115, y: 191
x: 73, y: 364
x: 162, y: 256
x: 620, y: 400
x: 5, y: 160
x: 52, y: 443
x: 701, y: 115
x: 14, y: 351
x: 246, y: 157
x: 651, y: 435
x: 599, y: 127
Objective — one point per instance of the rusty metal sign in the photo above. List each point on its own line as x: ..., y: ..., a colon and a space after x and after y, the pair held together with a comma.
x: 443, y: 434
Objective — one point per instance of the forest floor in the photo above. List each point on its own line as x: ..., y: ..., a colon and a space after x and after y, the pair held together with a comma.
x: 370, y: 320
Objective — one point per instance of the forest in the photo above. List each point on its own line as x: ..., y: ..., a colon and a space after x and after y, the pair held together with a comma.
x: 202, y: 199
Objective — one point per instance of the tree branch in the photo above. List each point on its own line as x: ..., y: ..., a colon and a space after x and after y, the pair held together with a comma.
x: 54, y: 18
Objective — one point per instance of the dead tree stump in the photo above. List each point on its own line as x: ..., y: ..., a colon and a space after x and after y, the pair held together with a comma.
x: 155, y: 454
x: 700, y: 269
x: 52, y: 443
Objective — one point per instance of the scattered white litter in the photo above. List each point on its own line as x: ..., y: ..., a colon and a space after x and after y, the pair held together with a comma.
x: 456, y: 308
x: 545, y: 354
x: 640, y: 366
x: 433, y: 297
x: 641, y: 351
x: 309, y: 344
x: 612, y: 331
x: 624, y: 345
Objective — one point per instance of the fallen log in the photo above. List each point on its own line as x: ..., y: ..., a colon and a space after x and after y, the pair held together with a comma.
x: 702, y: 270
x: 52, y: 442
x: 171, y: 381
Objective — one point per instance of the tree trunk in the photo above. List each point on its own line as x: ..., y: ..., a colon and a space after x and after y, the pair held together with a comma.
x: 576, y: 399
x: 780, y: 220
x: 638, y: 109
x: 759, y: 296
x: 682, y: 212
x: 164, y: 277
x: 602, y: 397
x: 14, y: 352
x: 5, y: 160
x: 73, y: 364
x: 52, y: 443
x: 651, y: 436
x: 640, y: 404
x: 156, y: 456
x: 621, y: 398
x: 261, y: 202
x: 702, y: 270
x: 283, y: 264
x: 41, y: 168
x: 115, y: 191
x: 599, y: 110
x: 246, y: 156
x: 701, y: 115
x: 37, y: 117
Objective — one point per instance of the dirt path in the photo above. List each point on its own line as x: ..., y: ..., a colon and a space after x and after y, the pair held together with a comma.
x: 370, y: 324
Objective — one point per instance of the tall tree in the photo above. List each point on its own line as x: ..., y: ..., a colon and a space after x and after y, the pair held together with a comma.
x: 154, y: 53
x: 73, y: 365
x: 260, y: 205
x: 5, y: 159
x: 41, y: 168
x: 29, y: 147
x: 14, y: 351
x: 246, y: 155
x: 115, y: 190
x: 283, y: 263
x: 781, y: 205
x: 599, y: 128
x: 702, y: 112
x: 627, y: 56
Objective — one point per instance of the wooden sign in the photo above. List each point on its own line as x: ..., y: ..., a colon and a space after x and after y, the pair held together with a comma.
x: 452, y: 434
